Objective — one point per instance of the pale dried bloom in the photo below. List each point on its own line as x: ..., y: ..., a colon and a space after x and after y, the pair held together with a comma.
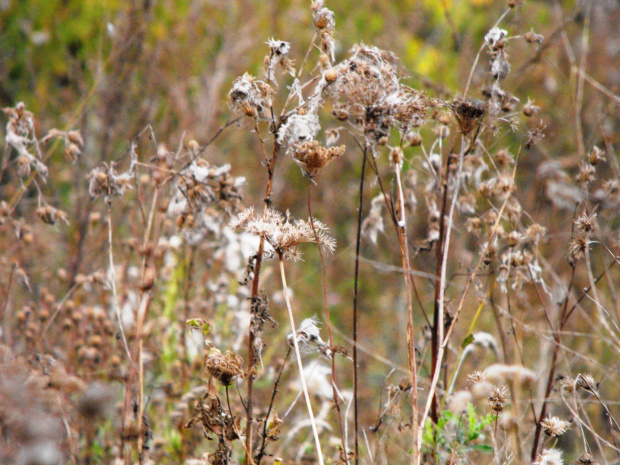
x: 533, y: 38
x: 301, y: 126
x: 20, y: 136
x: 585, y: 223
x: 309, y: 338
x: 550, y: 457
x: 311, y: 156
x: 369, y: 95
x: 586, y: 174
x: 577, y: 249
x: 477, y: 376
x: 224, y: 368
x: 105, y: 182
x: 282, y: 233
x: 494, y: 36
x: 51, y: 215
x: 567, y: 385
x: 555, y: 426
x: 278, y: 55
x: 250, y: 96
x: 74, y: 143
x: 499, y: 396
x: 596, y: 156
x: 529, y: 109
x: 585, y: 382
x: 373, y: 224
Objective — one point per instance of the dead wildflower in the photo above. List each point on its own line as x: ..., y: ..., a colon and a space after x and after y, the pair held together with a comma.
x: 51, y: 215
x: 225, y: 368
x: 332, y: 136
x: 529, y: 109
x: 499, y: 396
x: 476, y: 376
x: 309, y: 339
x: 311, y: 156
x: 278, y: 56
x: 468, y: 113
x: 550, y: 457
x: 250, y: 97
x: 368, y: 94
x: 567, y: 384
x: 532, y: 38
x: 586, y: 382
x: 533, y: 136
x: 596, y: 156
x: 21, y: 137
x: 74, y: 143
x: 274, y: 428
x: 282, y: 233
x: 413, y: 138
x: 586, y: 174
x: 577, y: 249
x: 585, y: 223
x: 555, y: 426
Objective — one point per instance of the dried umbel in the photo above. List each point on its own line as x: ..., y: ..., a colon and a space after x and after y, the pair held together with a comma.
x: 311, y: 156
x: 555, y: 426
x: 282, y: 233
x: 369, y: 95
x: 225, y: 368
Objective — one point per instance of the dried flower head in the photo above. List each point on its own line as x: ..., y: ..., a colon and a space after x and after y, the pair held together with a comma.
x: 282, y: 233
x: 555, y: 426
x: 51, y: 215
x: 585, y: 223
x: 529, y: 109
x: 311, y: 156
x: 499, y: 396
x: 577, y: 249
x: 550, y: 457
x: 533, y: 38
x: 224, y: 368
x: 596, y: 156
x: 585, y: 382
x: 468, y: 113
x: 250, y: 96
x: 278, y: 56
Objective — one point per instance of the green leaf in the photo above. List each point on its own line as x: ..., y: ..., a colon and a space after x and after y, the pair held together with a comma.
x: 200, y: 324
x: 482, y: 447
x: 468, y: 340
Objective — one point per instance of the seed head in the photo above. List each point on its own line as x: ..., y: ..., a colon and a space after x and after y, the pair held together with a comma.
x: 554, y: 426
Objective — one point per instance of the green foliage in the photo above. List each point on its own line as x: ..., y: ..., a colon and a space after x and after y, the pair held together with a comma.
x: 458, y: 433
